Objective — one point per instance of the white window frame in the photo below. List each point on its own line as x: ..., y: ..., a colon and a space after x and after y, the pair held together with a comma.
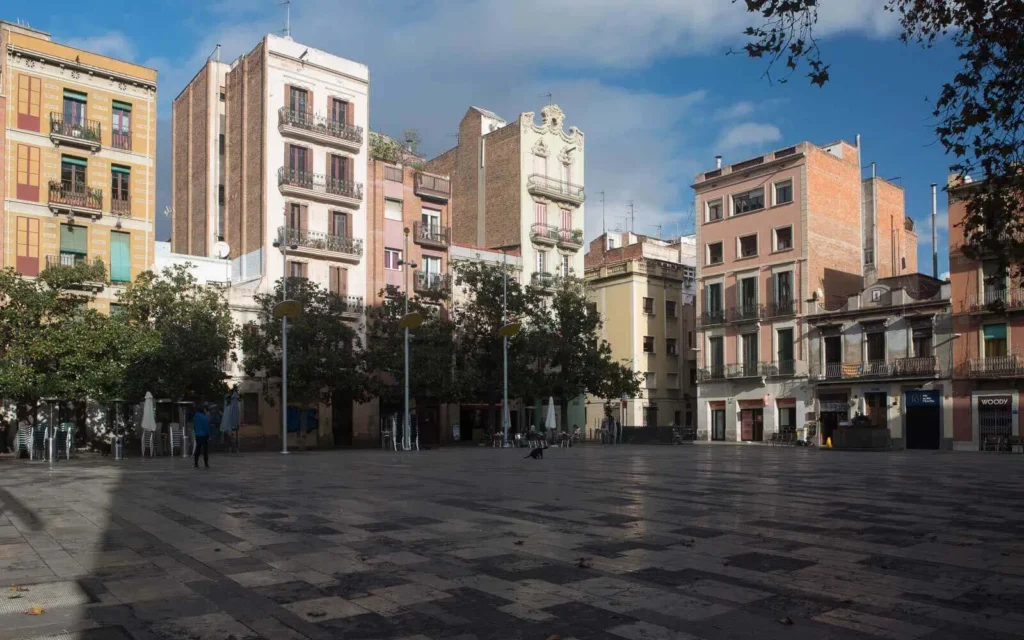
x: 398, y: 262
x: 389, y: 215
x: 739, y: 246
x: 732, y: 201
x: 643, y: 305
x: 707, y: 253
x: 542, y: 261
x: 566, y: 265
x: 721, y: 209
x: 775, y: 238
x: 775, y: 196
x: 654, y: 345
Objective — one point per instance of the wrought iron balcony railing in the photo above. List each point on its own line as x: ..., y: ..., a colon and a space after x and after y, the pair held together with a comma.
x: 746, y: 370
x: 997, y: 299
x: 557, y: 188
x: 121, y: 140
x: 710, y: 374
x: 780, y: 308
x: 316, y: 123
x: 543, y: 279
x: 319, y: 183
x: 546, y: 233
x: 1008, y: 366
x: 353, y: 304
x: 75, y: 129
x: 781, y: 368
x: 121, y: 206
x: 321, y: 241
x: 712, y: 318
x: 75, y: 194
x: 431, y: 282
x: 431, y: 234
x: 923, y: 366
x: 747, y: 312
x: 897, y: 368
x: 570, y: 237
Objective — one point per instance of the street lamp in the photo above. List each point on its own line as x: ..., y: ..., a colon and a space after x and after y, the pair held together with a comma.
x: 507, y: 330
x: 413, y: 321
x: 284, y: 310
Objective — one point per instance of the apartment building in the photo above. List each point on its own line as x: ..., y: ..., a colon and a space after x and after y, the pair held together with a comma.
x: 885, y: 354
x: 644, y: 290
x: 269, y: 157
x: 988, y: 318
x: 78, y: 171
x: 520, y: 185
x: 774, y: 232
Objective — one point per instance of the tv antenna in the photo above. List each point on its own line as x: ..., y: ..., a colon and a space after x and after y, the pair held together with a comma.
x: 549, y: 96
x: 632, y: 218
x: 287, y: 17
x: 658, y: 227
x: 604, y: 228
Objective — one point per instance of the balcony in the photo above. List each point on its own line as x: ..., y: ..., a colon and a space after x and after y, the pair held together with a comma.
x: 714, y: 373
x: 427, y: 185
x: 75, y: 132
x: 925, y: 367
x: 314, y: 186
x: 570, y: 239
x: 320, y: 129
x: 121, y: 206
x: 746, y: 370
x: 747, y: 312
x: 996, y: 300
x: 1009, y: 366
x: 781, y: 369
x: 431, y: 283
x: 93, y: 274
x: 317, y: 244
x: 780, y: 309
x: 544, y: 234
x: 431, y: 235
x: 75, y: 199
x: 711, y: 318
x: 562, y: 191
x: 121, y: 140
x: 544, y: 280
x: 352, y: 306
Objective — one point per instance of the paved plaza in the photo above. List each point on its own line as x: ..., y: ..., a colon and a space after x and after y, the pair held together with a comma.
x: 589, y: 543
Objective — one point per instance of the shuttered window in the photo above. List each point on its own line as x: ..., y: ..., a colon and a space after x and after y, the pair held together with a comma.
x: 120, y: 256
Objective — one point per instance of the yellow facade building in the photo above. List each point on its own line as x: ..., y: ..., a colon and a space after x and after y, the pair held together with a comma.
x: 78, y: 168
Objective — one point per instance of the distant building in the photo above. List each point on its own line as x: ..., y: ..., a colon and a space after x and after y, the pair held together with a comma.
x: 79, y: 137
x: 774, y: 232
x: 271, y: 149
x: 644, y: 290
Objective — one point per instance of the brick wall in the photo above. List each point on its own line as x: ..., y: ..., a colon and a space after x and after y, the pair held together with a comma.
x: 834, y: 223
x: 234, y: 146
x: 255, y: 159
x: 181, y: 114
x: 3, y: 158
x: 373, y: 255
x: 503, y: 199
x: 199, y: 132
x: 598, y: 255
x: 892, y: 235
x: 461, y: 163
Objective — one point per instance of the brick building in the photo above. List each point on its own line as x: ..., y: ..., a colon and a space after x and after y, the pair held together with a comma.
x: 519, y: 185
x: 644, y: 290
x: 774, y: 232
x: 78, y: 170
x: 269, y: 152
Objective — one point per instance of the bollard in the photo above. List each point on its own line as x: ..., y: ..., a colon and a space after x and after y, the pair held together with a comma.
x: 117, y: 448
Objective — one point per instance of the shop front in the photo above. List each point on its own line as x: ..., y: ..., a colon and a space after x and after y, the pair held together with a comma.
x: 751, y: 420
x: 833, y: 412
x: 995, y: 416
x: 923, y: 418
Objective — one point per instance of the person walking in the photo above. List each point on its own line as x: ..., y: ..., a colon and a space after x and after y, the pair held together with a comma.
x: 201, y: 429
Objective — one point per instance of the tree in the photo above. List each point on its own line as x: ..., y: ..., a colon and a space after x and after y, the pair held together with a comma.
x: 431, y: 349
x: 979, y: 112
x: 572, y: 360
x: 195, y: 334
x: 325, y: 355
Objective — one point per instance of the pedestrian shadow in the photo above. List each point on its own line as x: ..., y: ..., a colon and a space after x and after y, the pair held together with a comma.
x: 12, y: 505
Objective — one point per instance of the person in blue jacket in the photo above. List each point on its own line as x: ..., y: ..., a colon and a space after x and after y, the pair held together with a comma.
x: 201, y: 427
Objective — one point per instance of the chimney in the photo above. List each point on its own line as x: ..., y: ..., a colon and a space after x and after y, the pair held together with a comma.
x: 718, y: 162
x: 935, y: 248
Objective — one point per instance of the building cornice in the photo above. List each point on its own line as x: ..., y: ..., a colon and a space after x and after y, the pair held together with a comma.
x: 81, y: 67
x: 304, y: 64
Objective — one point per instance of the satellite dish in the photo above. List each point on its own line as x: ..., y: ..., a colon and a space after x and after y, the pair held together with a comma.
x: 221, y: 249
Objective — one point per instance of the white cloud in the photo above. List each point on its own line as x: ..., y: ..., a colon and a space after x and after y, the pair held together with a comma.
x: 113, y: 44
x: 740, y: 109
x: 944, y: 275
x: 748, y: 135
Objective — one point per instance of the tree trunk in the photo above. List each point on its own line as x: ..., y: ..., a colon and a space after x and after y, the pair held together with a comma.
x: 564, y: 426
x: 302, y: 428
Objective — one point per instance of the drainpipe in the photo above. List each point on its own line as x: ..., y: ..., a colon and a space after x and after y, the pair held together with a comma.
x: 935, y: 248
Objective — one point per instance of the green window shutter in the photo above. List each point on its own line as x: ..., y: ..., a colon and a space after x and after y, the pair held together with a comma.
x: 116, y: 168
x: 995, y: 332
x: 123, y: 106
x: 74, y: 239
x: 120, y: 256
x: 78, y: 96
x: 74, y: 160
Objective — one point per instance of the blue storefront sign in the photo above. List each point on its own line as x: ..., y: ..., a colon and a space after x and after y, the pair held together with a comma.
x: 923, y: 399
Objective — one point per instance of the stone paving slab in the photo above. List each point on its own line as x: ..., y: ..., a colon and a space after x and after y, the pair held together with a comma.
x: 591, y: 543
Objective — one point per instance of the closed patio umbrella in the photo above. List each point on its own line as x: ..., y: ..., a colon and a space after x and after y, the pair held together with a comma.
x: 148, y: 414
x: 550, y: 424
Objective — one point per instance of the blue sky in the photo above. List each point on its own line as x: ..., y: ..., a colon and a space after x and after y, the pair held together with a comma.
x: 648, y: 81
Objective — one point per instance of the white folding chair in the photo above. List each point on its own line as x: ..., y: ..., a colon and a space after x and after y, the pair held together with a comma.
x: 149, y: 441
x: 177, y: 438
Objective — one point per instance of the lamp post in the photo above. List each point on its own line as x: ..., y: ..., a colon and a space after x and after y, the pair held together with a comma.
x: 507, y: 330
x: 408, y: 320
x: 285, y: 309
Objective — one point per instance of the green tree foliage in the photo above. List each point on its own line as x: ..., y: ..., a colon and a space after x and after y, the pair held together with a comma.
x: 978, y: 112
x: 195, y: 333
x: 325, y: 355
x: 431, y: 351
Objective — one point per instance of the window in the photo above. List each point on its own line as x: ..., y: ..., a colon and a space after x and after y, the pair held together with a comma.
x: 223, y: 94
x: 29, y: 89
x: 651, y: 414
x: 784, y: 238
x: 649, y: 306
x: 670, y: 308
x: 28, y: 173
x: 340, y: 169
x: 221, y: 140
x: 339, y: 224
x: 748, y: 294
x: 298, y: 101
x: 876, y: 346
x: 995, y: 340
x: 566, y: 266
x: 432, y: 265
x: 672, y: 346
x: 120, y: 183
x: 714, y: 210
x: 542, y: 261
x: 121, y: 126
x: 431, y: 221
x: 782, y: 283
x: 298, y: 158
x: 922, y: 340
x: 250, y: 408
x: 72, y: 173
x: 689, y: 339
x: 393, y: 259
x: 297, y: 270
x: 714, y: 297
x: 672, y: 380
x: 748, y: 246
x: 74, y: 110
x: 783, y: 192
x: 716, y: 353
x: 540, y: 212
x: 746, y: 202
x: 566, y: 220
x: 748, y: 347
x: 651, y: 380
x: 648, y: 344
x: 120, y: 256
x: 784, y: 351
x: 27, y: 260
x: 338, y: 281
x: 394, y: 174
x: 676, y: 416
x: 787, y: 419
x: 339, y: 112
x: 73, y: 244
x: 220, y: 195
x: 296, y: 216
x: 715, y: 253
x: 611, y: 242
x: 393, y: 209
x: 540, y: 165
